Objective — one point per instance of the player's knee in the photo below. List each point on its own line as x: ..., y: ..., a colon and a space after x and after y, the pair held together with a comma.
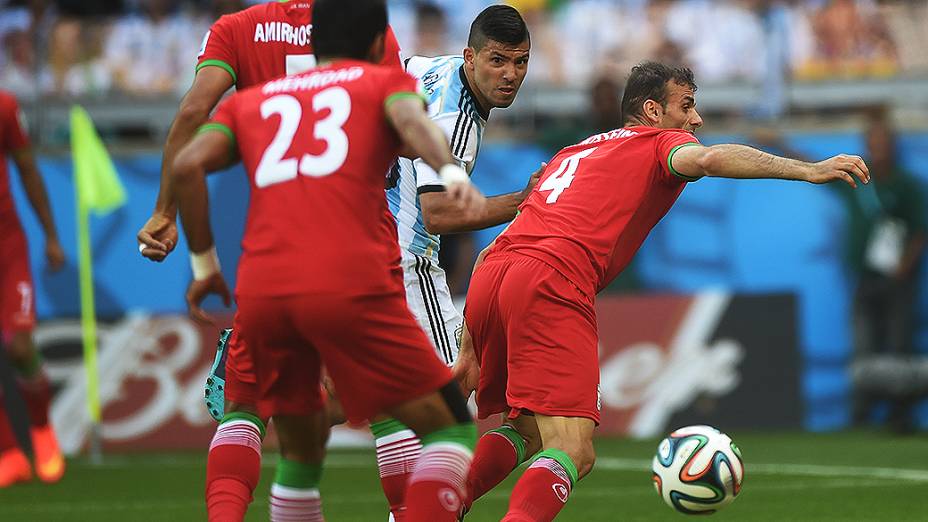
x: 586, y: 460
x: 581, y: 453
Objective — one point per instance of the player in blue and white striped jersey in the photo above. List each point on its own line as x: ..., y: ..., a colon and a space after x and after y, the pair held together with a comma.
x: 461, y: 90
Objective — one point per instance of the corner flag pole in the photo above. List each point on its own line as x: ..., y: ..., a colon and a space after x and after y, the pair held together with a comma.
x: 97, y: 188
x: 89, y: 329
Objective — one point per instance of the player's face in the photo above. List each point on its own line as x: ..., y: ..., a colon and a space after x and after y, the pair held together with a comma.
x: 497, y: 70
x: 680, y: 112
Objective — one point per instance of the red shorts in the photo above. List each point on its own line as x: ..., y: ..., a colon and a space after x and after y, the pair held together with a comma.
x: 371, y: 346
x: 535, y: 336
x: 17, y: 295
x: 241, y: 384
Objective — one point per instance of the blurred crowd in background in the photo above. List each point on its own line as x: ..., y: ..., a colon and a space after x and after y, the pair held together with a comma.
x: 88, y: 48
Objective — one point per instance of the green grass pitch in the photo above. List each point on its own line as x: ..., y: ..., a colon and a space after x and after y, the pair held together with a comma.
x: 855, y: 476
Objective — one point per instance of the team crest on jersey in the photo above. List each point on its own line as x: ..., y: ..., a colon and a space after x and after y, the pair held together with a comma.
x: 458, y: 332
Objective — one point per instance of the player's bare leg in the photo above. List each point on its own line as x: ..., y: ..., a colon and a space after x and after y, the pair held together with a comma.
x: 500, y: 451
x: 295, y: 491
x: 442, y: 422
x: 566, y: 457
x: 36, y: 393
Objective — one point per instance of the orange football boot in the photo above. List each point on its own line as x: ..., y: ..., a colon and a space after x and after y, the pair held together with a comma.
x: 14, y: 467
x: 49, y: 462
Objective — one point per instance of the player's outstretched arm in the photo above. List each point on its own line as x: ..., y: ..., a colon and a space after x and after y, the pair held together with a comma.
x: 159, y: 233
x: 741, y: 161
x: 425, y: 140
x: 208, y: 152
x: 38, y: 198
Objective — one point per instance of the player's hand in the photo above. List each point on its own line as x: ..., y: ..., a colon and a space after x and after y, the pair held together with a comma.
x: 533, y: 180
x: 54, y: 254
x: 158, y: 237
x: 197, y: 292
x: 466, y: 369
x: 468, y: 198
x: 842, y: 167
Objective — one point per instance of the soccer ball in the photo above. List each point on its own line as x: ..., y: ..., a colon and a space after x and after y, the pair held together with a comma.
x: 697, y: 470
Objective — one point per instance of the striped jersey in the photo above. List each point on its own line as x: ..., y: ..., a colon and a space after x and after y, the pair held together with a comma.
x: 452, y: 106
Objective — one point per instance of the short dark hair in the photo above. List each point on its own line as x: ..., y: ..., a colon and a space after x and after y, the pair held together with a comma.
x: 648, y: 81
x: 346, y: 28
x: 500, y: 23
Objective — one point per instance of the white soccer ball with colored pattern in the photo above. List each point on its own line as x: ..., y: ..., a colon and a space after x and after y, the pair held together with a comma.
x: 697, y: 470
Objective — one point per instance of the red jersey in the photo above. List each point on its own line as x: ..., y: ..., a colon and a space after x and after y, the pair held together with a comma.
x: 268, y: 41
x: 12, y: 137
x: 596, y: 202
x: 315, y: 147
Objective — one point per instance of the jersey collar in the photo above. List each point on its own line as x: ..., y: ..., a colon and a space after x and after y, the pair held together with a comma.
x: 483, y: 114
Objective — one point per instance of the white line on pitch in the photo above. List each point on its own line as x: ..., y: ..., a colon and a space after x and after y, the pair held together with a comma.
x: 808, y: 470
x: 355, y: 461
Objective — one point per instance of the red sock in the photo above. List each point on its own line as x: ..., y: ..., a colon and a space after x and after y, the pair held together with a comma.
x: 498, y: 452
x: 540, y: 494
x: 36, y: 393
x: 436, y: 488
x: 7, y: 437
x: 233, y: 468
x: 397, y: 454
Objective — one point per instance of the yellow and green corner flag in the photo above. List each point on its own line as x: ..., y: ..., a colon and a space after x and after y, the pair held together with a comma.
x: 97, y: 188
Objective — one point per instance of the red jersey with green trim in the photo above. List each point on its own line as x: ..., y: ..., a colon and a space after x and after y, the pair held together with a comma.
x: 596, y: 202
x: 268, y: 41
x: 12, y: 137
x: 315, y: 147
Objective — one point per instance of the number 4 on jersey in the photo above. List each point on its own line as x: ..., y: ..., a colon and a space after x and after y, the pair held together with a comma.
x: 564, y: 175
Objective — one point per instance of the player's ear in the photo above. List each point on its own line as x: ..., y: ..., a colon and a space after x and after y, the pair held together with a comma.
x: 653, y: 111
x: 469, y: 56
x: 375, y: 54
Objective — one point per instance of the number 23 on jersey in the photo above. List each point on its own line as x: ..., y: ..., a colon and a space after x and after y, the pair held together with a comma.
x: 274, y: 167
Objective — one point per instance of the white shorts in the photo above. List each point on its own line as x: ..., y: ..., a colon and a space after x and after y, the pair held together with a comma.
x: 429, y: 298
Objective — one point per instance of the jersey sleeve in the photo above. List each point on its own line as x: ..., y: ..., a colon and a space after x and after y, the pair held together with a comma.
x: 668, y: 143
x: 391, y: 50
x: 461, y: 132
x: 14, y: 136
x: 218, y: 47
x: 224, y: 120
x: 400, y: 84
